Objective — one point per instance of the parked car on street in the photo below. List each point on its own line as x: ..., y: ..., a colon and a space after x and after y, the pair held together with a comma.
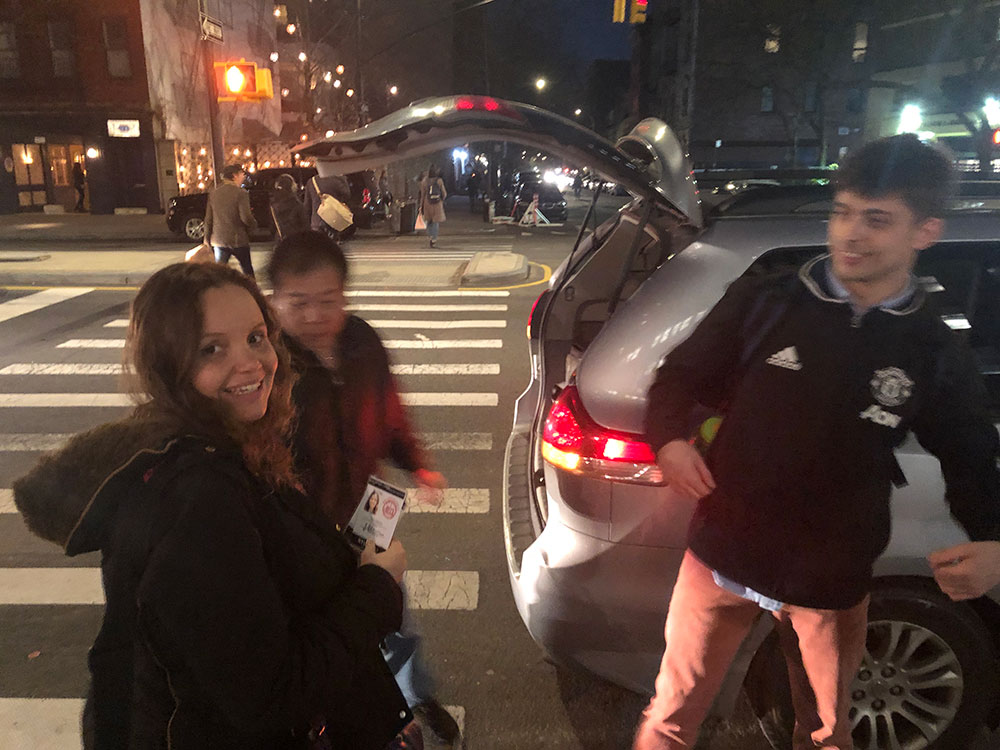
x: 550, y: 201
x: 186, y: 213
x: 594, y: 539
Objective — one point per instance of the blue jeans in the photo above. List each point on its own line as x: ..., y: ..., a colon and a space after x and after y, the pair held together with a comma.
x: 402, y: 653
x: 222, y: 255
x: 432, y: 229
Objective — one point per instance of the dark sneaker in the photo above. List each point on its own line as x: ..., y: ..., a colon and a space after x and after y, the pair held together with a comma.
x: 411, y: 738
x: 436, y: 718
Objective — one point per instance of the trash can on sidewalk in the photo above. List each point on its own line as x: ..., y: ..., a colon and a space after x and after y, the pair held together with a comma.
x: 407, y: 217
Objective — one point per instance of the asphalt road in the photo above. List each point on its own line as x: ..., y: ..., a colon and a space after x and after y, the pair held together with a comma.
x: 496, y: 680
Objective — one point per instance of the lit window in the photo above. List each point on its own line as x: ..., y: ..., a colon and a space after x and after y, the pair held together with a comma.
x: 772, y: 42
x: 860, y: 42
x: 766, y: 99
x: 10, y: 61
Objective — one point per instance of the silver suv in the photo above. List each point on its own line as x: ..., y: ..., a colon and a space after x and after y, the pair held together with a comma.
x: 593, y: 537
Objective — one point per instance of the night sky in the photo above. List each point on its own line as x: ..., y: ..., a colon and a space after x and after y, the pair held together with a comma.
x: 586, y: 27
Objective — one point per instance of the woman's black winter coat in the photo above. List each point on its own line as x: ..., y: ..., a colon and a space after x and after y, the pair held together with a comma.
x: 234, y: 618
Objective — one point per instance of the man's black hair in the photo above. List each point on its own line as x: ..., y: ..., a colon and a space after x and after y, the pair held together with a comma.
x: 922, y: 176
x: 231, y: 170
x: 303, y: 252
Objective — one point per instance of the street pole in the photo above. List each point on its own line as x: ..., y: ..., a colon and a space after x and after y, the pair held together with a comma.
x: 361, y: 75
x: 214, y: 129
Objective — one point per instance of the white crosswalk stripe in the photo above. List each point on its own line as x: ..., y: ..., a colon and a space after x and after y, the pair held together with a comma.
x: 443, y: 344
x: 27, y: 442
x: 102, y: 400
x: 394, y: 293
x: 39, y: 300
x: 41, y: 723
x: 54, y: 723
x: 388, y: 343
x: 379, y: 307
x: 452, y: 500
x: 418, y: 324
x: 426, y: 589
x: 64, y: 368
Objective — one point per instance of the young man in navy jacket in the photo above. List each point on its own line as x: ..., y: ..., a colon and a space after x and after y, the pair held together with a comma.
x: 794, y: 492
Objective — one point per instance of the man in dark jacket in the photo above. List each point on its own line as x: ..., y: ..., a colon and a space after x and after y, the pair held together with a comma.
x: 350, y: 418
x: 820, y: 376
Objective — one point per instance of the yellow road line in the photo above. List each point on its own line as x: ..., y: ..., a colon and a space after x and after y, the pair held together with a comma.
x: 546, y: 275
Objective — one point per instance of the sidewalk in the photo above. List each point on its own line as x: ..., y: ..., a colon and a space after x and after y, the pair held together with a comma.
x: 79, y: 266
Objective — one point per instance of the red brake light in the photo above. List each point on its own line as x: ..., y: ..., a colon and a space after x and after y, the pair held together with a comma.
x: 366, y: 196
x: 572, y: 441
x: 464, y: 103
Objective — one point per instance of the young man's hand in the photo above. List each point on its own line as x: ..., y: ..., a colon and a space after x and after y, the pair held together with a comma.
x: 684, y: 469
x: 430, y: 486
x: 967, y: 571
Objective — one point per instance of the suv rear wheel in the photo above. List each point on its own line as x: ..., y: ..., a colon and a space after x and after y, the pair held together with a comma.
x: 925, y: 682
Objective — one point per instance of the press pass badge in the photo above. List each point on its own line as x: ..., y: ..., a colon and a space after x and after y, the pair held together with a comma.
x: 377, y: 514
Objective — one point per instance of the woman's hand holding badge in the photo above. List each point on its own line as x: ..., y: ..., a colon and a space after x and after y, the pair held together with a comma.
x: 393, y: 560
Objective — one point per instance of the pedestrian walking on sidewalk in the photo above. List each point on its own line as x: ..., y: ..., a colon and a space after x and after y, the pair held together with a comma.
x: 80, y: 185
x: 820, y: 374
x: 236, y: 616
x: 228, y: 219
x: 350, y: 418
x: 432, y: 197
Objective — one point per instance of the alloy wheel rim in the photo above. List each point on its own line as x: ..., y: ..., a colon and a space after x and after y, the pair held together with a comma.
x: 908, y: 689
x: 195, y: 228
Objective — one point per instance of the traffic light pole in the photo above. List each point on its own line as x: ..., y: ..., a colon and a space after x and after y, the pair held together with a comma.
x: 214, y: 129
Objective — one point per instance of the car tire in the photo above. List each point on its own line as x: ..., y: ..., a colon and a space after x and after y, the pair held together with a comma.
x: 939, y: 708
x: 193, y: 227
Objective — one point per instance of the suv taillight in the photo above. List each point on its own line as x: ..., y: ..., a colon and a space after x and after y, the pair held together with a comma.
x: 572, y: 441
x: 366, y: 197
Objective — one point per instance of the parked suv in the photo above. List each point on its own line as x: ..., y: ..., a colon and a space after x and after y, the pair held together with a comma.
x: 186, y: 213
x: 593, y: 537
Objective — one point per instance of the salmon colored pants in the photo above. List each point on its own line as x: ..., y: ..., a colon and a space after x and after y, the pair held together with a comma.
x: 705, y: 627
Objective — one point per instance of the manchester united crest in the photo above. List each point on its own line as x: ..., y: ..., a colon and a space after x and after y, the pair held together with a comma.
x: 891, y: 386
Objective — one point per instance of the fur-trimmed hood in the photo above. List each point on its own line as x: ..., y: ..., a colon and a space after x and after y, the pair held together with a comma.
x: 71, y: 496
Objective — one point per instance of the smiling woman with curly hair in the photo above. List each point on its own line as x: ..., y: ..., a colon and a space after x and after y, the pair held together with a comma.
x: 235, y: 617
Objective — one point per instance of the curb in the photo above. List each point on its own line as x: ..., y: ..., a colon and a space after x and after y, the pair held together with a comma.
x: 495, y: 268
x: 52, y: 279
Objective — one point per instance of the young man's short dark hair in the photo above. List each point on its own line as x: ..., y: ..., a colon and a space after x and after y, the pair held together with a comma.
x: 231, y: 170
x: 303, y: 252
x: 920, y: 175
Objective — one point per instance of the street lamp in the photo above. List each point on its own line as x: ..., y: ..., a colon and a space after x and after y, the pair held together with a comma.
x: 540, y: 83
x: 910, y: 119
x: 340, y: 70
x: 577, y: 111
x: 393, y: 90
x: 991, y: 107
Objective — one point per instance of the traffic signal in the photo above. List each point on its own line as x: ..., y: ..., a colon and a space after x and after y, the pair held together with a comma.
x: 618, y: 13
x: 638, y: 13
x: 235, y: 80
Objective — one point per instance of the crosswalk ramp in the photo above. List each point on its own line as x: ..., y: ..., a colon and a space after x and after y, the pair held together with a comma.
x: 445, y: 347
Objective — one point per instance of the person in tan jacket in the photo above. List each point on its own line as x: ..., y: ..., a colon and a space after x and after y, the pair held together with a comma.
x: 228, y: 219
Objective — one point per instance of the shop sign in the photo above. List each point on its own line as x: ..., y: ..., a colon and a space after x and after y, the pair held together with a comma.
x: 123, y: 128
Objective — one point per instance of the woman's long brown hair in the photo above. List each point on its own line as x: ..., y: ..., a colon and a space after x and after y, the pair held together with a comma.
x: 161, y: 355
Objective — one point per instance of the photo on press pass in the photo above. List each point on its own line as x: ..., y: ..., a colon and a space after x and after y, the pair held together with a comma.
x: 499, y: 375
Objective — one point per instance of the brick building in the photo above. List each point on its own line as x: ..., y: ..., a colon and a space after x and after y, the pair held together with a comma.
x: 120, y: 86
